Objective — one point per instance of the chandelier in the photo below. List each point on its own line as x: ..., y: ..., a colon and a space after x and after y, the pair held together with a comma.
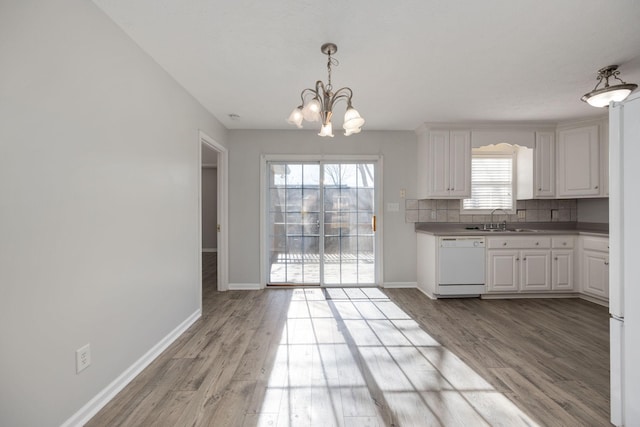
x: 317, y: 104
x: 616, y: 93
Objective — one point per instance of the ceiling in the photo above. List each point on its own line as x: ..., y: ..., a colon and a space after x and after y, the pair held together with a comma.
x: 408, y: 62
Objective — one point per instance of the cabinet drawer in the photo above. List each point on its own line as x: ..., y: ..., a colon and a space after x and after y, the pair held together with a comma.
x: 519, y: 242
x: 562, y: 242
x: 596, y: 243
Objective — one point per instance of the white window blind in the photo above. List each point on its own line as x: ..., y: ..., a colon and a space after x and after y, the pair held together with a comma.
x: 491, y: 182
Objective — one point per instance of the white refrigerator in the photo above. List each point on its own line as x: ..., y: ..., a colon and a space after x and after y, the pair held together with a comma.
x: 624, y: 260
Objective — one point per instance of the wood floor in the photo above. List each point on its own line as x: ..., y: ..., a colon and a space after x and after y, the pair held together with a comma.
x: 370, y: 357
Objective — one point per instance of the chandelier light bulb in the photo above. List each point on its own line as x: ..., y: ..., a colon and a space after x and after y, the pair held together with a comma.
x: 348, y: 132
x: 326, y: 130
x: 352, y: 119
x: 296, y: 116
x: 311, y: 111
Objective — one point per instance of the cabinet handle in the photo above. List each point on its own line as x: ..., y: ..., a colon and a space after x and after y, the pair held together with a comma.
x: 596, y: 187
x: 539, y: 189
x: 606, y: 263
x: 517, y: 259
x: 537, y: 243
x: 504, y: 243
x: 563, y: 244
x: 556, y: 258
x: 524, y: 259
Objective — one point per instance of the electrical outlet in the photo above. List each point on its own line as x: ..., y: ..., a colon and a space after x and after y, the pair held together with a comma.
x: 434, y: 215
x: 83, y: 358
x: 522, y: 214
x: 403, y: 193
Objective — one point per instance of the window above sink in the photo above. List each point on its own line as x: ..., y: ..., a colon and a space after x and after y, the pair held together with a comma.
x: 493, y: 180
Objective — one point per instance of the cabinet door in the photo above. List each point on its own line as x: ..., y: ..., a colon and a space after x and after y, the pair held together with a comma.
x: 535, y: 270
x: 544, y: 167
x: 604, y: 159
x: 460, y: 164
x: 439, y: 163
x: 579, y: 162
x: 502, y: 271
x: 595, y: 273
x: 562, y: 270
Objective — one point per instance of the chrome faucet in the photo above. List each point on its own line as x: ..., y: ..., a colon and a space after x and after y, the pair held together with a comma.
x: 495, y: 225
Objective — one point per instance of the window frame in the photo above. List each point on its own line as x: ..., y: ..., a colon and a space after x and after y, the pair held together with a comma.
x: 494, y: 153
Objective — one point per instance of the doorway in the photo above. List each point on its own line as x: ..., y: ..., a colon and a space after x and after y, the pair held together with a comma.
x: 321, y: 223
x: 213, y: 225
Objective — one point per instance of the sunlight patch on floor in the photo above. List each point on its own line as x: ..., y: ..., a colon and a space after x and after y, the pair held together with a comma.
x: 352, y: 357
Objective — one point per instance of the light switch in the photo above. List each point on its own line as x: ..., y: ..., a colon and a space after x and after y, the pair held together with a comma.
x: 393, y: 207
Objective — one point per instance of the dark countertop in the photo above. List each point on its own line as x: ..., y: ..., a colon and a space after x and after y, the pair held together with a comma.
x: 530, y: 228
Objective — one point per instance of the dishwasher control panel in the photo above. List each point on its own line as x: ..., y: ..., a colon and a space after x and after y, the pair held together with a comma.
x: 462, y: 242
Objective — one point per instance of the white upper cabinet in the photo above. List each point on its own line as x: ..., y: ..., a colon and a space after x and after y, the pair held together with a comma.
x: 446, y: 173
x: 579, y: 162
x: 604, y: 159
x: 460, y: 164
x: 544, y: 165
x: 567, y: 161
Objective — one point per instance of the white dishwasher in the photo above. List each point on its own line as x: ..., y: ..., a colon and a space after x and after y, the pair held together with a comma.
x: 461, y: 266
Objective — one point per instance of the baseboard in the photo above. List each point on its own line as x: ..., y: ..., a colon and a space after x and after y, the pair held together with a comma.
x: 595, y: 300
x: 546, y: 295
x: 209, y: 249
x: 426, y: 293
x: 400, y: 285
x: 101, y: 399
x: 244, y: 286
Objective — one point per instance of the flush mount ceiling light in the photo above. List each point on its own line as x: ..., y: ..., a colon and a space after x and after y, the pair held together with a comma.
x: 616, y: 93
x: 317, y: 104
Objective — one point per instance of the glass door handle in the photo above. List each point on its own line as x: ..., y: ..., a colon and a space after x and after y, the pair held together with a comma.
x: 373, y: 223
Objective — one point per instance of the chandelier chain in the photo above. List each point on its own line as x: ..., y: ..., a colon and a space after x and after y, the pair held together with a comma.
x: 330, y: 61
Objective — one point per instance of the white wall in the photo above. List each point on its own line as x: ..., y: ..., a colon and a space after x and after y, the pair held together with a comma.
x: 209, y: 208
x: 593, y: 210
x: 99, y: 170
x: 398, y: 150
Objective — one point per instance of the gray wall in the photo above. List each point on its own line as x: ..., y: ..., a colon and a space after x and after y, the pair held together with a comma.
x: 593, y: 210
x: 398, y: 150
x: 209, y: 208
x: 99, y: 171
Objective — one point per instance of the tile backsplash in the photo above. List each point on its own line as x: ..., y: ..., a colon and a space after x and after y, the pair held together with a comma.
x: 432, y: 210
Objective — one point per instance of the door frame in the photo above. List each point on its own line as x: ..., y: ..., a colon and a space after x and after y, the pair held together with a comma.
x: 222, y: 209
x: 322, y: 158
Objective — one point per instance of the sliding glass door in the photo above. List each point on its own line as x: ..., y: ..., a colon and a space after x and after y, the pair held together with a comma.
x: 321, y: 223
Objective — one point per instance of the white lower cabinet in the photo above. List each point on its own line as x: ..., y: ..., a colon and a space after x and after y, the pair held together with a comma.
x: 535, y: 270
x: 530, y: 264
x: 502, y: 271
x: 562, y: 263
x: 595, y: 266
x: 562, y: 270
x: 515, y: 271
x: 595, y: 278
